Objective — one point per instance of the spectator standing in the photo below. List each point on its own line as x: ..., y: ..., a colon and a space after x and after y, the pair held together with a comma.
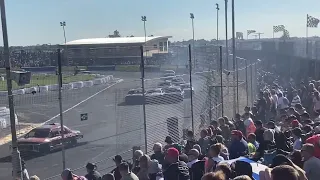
x: 316, y: 102
x: 282, y: 104
x: 116, y: 172
x: 25, y: 173
x: 239, y: 146
x: 193, y: 157
x: 136, y: 158
x: 274, y: 104
x: 239, y: 124
x: 252, y: 143
x: 204, y: 141
x: 126, y: 173
x: 249, y: 124
x: 169, y: 142
x: 108, y: 176
x: 176, y: 169
x: 311, y: 164
x: 67, y: 174
x: 93, y: 174
x: 261, y: 107
x: 225, y: 130
x: 297, y: 134
x: 215, y: 158
x: 259, y: 131
x: 284, y: 172
x: 315, y: 140
x: 143, y: 172
x: 157, y: 153
x: 296, y: 98
x: 190, y: 142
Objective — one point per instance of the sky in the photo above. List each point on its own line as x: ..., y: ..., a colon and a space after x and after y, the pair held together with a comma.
x: 32, y: 22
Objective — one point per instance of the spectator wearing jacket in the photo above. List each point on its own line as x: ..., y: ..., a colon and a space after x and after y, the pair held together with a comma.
x: 238, y: 147
x: 176, y: 169
x: 158, y: 153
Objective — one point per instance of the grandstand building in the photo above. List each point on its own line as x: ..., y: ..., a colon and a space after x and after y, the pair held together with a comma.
x: 110, y: 51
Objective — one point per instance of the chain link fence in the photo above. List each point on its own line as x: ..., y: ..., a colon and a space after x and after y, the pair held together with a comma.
x: 125, y: 108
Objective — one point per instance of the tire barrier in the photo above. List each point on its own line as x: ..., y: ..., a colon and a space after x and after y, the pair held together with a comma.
x: 97, y: 81
x: 30, y: 90
x: 5, y: 117
x: 87, y: 83
x: 67, y: 86
x: 77, y: 85
x: 43, y: 88
x: 18, y: 92
x: 53, y: 87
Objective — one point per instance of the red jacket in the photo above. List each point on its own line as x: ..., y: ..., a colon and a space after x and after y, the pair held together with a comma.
x: 315, y: 140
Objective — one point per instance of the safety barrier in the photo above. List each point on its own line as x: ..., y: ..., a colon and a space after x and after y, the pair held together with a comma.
x: 5, y: 117
x: 87, y: 83
x: 43, y: 88
x: 30, y: 90
x: 67, y: 86
x: 53, y: 87
x: 18, y: 92
x: 77, y: 85
x: 3, y: 93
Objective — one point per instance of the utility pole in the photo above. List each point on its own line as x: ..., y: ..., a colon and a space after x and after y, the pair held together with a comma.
x: 16, y: 160
x: 217, y: 8
x: 235, y: 67
x: 194, y: 56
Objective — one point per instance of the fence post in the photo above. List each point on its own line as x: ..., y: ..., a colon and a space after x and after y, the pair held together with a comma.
x: 251, y: 81
x: 190, y: 79
x: 60, y: 109
x: 221, y: 81
x: 144, y: 100
x: 247, y: 88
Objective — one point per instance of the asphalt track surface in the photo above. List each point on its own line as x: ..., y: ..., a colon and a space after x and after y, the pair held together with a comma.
x: 113, y: 127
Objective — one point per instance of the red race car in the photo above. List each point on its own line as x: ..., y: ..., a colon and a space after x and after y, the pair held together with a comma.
x: 48, y: 138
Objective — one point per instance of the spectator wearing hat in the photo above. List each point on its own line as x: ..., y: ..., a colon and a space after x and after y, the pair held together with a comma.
x: 311, y: 164
x: 158, y: 153
x: 118, y: 160
x: 93, y: 174
x: 125, y: 172
x: 238, y: 147
x: 177, y: 169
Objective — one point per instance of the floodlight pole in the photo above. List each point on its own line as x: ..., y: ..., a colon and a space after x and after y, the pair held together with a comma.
x: 193, y: 47
x: 16, y: 160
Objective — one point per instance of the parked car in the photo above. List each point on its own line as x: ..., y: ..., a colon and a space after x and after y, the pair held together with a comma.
x: 170, y: 72
x: 168, y: 76
x: 47, y: 138
x: 164, y: 84
x: 177, y: 81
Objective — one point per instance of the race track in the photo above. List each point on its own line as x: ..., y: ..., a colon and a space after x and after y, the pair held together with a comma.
x: 113, y: 127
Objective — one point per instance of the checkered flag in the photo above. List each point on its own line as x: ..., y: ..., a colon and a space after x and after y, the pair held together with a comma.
x: 239, y: 35
x: 278, y: 28
x: 250, y: 32
x: 312, y: 22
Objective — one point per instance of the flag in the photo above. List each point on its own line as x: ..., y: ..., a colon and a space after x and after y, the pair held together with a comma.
x: 312, y: 22
x: 239, y: 35
x: 250, y: 32
x: 278, y: 28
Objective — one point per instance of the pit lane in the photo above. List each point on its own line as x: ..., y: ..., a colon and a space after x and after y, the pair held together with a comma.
x: 111, y: 129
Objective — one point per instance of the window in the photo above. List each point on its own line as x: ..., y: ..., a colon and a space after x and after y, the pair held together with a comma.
x: 161, y: 46
x: 155, y: 46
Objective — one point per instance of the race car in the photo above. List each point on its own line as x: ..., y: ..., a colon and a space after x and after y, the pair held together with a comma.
x: 47, y: 138
x: 154, y: 95
x: 187, y: 90
x: 172, y: 94
x: 164, y: 84
x: 170, y: 72
x: 168, y: 76
x: 177, y: 81
x: 134, y: 96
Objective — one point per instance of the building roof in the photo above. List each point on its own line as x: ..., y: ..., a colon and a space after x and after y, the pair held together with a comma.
x: 117, y: 40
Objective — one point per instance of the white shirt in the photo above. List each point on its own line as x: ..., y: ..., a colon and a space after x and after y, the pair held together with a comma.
x: 295, y: 100
x: 297, y: 145
x: 281, y: 103
x: 275, y: 100
x: 218, y: 159
x: 189, y: 164
x: 316, y: 103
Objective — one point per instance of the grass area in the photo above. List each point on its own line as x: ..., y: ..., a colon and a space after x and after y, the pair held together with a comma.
x: 49, y: 79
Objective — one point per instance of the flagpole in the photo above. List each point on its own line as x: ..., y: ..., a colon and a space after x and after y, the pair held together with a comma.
x: 307, y: 46
x: 247, y: 35
x: 273, y: 32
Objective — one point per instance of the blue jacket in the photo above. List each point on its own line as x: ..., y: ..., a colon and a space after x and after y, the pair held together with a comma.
x: 238, y: 148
